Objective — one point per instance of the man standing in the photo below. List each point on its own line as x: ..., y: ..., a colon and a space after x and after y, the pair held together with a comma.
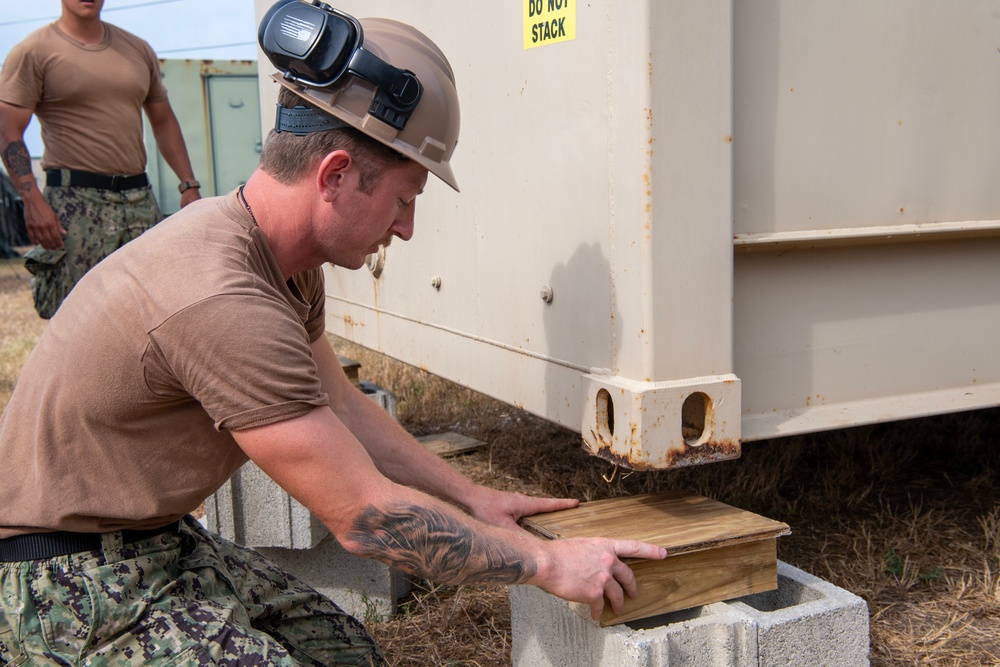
x: 88, y: 82
x: 166, y: 370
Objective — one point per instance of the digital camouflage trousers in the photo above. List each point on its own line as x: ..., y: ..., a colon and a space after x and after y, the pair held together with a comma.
x: 97, y: 223
x: 187, y: 598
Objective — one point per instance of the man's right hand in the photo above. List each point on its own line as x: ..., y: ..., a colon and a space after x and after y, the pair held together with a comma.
x: 40, y: 220
x: 42, y: 224
x: 588, y: 570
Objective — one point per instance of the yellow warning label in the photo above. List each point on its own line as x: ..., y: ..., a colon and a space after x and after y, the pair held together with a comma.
x: 548, y: 22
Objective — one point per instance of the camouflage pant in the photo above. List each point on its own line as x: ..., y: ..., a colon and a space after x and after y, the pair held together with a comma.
x: 176, y: 599
x: 97, y: 223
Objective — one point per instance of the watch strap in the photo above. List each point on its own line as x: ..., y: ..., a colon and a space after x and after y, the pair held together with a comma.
x: 187, y: 185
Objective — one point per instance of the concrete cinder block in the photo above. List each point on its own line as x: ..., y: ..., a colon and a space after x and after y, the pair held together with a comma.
x: 252, y: 510
x: 547, y: 633
x: 386, y: 399
x: 806, y: 622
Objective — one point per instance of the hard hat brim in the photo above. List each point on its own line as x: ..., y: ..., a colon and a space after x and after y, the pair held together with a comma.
x: 370, y: 127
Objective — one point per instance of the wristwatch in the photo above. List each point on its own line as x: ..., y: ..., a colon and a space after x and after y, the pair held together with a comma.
x: 187, y: 185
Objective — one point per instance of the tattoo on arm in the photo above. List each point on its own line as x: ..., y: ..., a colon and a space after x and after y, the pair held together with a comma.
x: 426, y: 542
x: 18, y: 162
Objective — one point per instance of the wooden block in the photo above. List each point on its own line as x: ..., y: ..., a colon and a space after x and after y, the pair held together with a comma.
x: 715, y: 551
x: 450, y: 443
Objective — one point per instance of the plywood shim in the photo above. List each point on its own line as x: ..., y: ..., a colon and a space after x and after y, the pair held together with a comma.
x: 715, y: 551
x: 450, y: 444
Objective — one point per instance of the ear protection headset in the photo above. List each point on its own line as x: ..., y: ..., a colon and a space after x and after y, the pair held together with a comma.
x: 316, y: 45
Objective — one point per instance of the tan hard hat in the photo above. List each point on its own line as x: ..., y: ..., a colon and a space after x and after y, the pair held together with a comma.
x: 431, y: 133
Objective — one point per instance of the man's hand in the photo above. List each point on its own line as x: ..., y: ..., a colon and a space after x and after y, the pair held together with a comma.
x: 503, y: 509
x: 588, y: 570
x: 42, y: 224
x: 40, y: 220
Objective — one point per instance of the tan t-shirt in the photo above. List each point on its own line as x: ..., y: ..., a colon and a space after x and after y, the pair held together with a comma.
x: 88, y: 99
x: 121, y: 416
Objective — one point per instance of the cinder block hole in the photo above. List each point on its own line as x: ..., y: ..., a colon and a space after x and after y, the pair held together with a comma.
x: 788, y: 594
x: 696, y: 415
x: 605, y: 415
x: 653, y: 622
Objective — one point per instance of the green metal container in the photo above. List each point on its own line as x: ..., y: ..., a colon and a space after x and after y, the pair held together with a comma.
x: 218, y: 106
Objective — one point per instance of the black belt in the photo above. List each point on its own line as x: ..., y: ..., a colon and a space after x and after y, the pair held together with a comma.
x: 55, y: 178
x: 38, y: 546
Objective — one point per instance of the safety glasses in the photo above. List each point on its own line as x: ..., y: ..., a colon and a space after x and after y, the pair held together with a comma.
x: 315, y: 45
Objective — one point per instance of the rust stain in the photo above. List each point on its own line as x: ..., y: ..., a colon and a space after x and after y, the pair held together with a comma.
x: 728, y: 139
x: 223, y: 66
x: 709, y: 452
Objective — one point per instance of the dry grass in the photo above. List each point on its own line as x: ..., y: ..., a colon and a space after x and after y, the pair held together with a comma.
x: 906, y: 515
x: 20, y: 326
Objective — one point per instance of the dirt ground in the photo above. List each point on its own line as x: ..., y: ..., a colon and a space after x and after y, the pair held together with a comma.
x: 905, y: 515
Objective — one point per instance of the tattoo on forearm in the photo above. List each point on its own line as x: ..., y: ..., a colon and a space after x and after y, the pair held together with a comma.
x: 18, y: 163
x: 428, y: 543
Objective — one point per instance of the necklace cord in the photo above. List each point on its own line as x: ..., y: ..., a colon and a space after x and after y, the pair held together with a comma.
x: 243, y: 200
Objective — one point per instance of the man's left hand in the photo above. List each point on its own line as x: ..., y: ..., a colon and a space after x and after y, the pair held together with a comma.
x: 503, y: 509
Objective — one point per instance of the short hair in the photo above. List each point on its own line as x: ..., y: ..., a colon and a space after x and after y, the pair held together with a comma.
x: 288, y: 157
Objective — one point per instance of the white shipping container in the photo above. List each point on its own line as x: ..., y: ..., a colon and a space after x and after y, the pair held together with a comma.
x: 689, y: 223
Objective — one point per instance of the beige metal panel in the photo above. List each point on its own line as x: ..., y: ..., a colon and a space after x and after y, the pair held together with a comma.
x: 528, y: 216
x: 854, y: 114
x: 865, y: 159
x: 505, y: 238
x: 691, y: 139
x: 864, y: 334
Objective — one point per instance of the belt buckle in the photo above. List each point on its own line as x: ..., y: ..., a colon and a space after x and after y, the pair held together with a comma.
x: 117, y: 181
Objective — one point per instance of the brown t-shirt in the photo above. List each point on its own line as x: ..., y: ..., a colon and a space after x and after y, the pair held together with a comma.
x: 88, y: 99
x: 121, y: 416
